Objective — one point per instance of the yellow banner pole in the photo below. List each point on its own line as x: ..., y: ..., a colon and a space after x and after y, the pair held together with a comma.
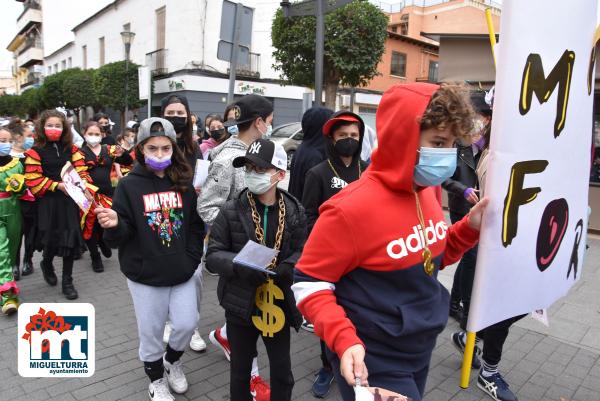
x: 465, y: 373
x: 490, y: 25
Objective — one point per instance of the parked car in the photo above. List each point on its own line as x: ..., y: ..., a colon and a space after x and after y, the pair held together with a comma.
x: 290, y: 137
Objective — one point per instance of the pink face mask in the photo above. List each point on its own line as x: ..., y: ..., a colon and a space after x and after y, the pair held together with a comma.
x: 53, y: 134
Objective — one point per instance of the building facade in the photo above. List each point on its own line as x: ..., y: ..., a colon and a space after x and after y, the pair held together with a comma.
x: 413, y: 56
x: 178, y: 40
x: 27, y: 47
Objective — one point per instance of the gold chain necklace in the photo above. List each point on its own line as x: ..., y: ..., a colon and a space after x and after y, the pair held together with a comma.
x: 336, y: 173
x: 428, y: 264
x: 259, y: 232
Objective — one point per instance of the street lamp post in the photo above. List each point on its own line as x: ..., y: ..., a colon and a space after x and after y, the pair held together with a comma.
x: 127, y: 37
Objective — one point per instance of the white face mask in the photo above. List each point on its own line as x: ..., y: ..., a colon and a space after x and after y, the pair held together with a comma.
x: 93, y: 140
x: 259, y: 183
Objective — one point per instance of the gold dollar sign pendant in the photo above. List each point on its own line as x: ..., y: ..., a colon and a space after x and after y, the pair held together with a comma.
x: 427, y: 262
x: 272, y: 319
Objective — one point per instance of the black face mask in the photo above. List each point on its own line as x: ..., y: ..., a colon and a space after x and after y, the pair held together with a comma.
x: 105, y: 128
x: 346, y: 147
x: 217, y: 134
x: 179, y: 123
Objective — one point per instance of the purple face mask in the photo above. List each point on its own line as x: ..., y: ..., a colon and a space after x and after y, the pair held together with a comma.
x: 480, y: 143
x: 157, y: 164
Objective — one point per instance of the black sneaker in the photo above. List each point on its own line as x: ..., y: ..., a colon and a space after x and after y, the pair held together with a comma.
x: 16, y: 271
x: 27, y: 267
x: 458, y: 343
x: 456, y: 311
x: 495, y: 387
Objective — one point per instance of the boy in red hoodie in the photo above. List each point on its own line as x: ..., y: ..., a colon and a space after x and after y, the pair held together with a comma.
x: 367, y: 278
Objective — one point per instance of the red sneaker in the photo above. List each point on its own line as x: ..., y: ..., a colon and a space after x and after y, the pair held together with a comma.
x: 216, y: 338
x: 259, y: 389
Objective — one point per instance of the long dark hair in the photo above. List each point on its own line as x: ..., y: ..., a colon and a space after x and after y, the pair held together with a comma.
x: 179, y: 172
x: 190, y: 147
x: 66, y: 138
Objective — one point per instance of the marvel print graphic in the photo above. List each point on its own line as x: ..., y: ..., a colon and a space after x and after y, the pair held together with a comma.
x: 164, y: 214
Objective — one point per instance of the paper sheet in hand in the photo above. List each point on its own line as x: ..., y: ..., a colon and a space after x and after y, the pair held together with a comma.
x: 75, y: 187
x: 256, y: 256
x: 200, y: 172
x: 377, y: 394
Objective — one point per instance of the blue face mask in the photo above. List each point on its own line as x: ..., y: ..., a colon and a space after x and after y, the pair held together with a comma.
x: 435, y: 166
x: 28, y: 143
x: 233, y: 130
x: 5, y: 148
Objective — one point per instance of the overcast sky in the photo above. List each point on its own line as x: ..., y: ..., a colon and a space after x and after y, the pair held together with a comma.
x: 10, y: 11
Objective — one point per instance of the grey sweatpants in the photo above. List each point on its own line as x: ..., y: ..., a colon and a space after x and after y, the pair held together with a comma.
x: 154, y: 306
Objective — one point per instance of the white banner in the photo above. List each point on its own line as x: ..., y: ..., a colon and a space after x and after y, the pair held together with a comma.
x: 144, y: 82
x: 533, y: 233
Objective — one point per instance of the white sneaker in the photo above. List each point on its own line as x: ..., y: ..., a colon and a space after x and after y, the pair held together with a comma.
x: 197, y: 343
x: 167, y: 333
x: 175, y: 376
x: 158, y: 390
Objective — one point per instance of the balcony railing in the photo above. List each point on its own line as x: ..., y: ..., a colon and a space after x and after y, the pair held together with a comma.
x: 157, y: 60
x: 30, y: 55
x: 252, y: 69
x: 31, y: 15
x: 35, y: 42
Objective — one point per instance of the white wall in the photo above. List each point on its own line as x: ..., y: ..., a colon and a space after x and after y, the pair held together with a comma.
x: 58, y: 58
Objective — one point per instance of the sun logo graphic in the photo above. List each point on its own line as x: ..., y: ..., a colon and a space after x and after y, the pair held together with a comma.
x: 56, y: 340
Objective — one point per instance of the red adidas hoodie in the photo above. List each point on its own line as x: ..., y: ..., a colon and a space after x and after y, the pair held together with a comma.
x: 360, y: 279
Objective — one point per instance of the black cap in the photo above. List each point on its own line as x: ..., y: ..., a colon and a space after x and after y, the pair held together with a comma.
x: 248, y: 108
x: 263, y: 153
x: 479, y: 103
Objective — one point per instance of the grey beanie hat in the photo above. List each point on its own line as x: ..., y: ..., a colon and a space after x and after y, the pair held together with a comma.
x: 166, y: 129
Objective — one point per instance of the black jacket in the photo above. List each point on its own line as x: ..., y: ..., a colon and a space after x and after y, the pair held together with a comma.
x: 159, y: 235
x: 311, y: 151
x: 231, y: 230
x: 464, y: 177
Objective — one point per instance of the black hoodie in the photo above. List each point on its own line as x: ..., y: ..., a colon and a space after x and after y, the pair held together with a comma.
x: 321, y: 182
x: 311, y: 151
x: 159, y: 234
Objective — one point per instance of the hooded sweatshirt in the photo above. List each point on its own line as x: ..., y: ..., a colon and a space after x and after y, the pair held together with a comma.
x: 360, y: 279
x: 159, y: 234
x: 322, y: 182
x: 312, y: 149
x: 223, y: 181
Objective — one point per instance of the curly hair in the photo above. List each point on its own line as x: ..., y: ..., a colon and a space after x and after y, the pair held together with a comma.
x: 449, y: 107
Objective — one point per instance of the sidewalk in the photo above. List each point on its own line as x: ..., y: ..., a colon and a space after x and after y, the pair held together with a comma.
x: 539, y: 363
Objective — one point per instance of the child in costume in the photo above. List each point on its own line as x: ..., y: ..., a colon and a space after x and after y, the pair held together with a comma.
x: 100, y: 160
x: 264, y: 214
x: 58, y: 224
x: 22, y: 140
x: 11, y: 186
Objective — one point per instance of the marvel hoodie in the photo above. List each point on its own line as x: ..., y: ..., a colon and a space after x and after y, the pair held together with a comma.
x: 159, y: 234
x: 360, y: 279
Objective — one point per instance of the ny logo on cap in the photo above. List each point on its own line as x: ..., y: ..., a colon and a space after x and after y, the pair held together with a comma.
x: 254, y: 148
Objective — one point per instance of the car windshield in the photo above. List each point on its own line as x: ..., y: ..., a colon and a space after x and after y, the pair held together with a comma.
x: 286, y: 131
